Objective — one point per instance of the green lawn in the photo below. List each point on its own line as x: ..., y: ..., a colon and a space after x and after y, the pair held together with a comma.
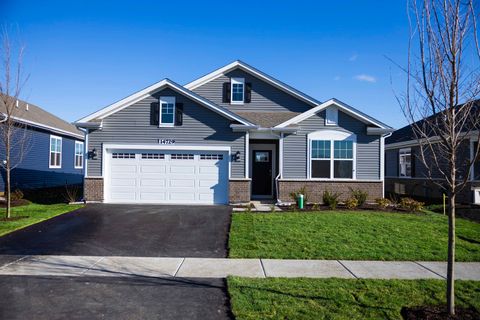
x: 350, y: 235
x: 300, y: 298
x: 35, y: 213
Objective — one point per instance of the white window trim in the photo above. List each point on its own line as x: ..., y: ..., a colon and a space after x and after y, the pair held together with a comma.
x: 409, y: 150
x: 50, y: 152
x: 331, y: 135
x: 331, y: 116
x: 75, y: 155
x: 169, y: 99
x: 237, y: 81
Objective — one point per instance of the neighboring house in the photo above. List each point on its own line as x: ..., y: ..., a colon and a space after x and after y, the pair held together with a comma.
x: 52, y: 152
x: 233, y: 135
x: 405, y: 174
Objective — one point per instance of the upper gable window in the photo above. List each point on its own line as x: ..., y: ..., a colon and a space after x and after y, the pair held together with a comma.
x: 167, y: 111
x: 331, y: 116
x: 238, y: 90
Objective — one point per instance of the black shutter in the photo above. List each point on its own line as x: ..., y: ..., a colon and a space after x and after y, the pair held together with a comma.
x: 248, y: 92
x: 412, y: 162
x: 154, y: 113
x: 226, y: 92
x: 178, y: 114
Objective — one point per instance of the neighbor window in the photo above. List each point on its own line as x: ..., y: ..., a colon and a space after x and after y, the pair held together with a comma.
x: 332, y: 158
x: 78, y: 155
x: 476, y: 165
x: 167, y: 111
x: 405, y: 162
x: 238, y: 89
x: 55, y: 160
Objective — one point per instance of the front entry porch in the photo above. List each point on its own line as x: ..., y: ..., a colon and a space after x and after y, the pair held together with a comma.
x: 263, y: 168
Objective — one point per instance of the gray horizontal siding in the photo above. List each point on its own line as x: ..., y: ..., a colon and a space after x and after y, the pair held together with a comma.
x: 295, y: 147
x: 265, y: 97
x: 201, y: 126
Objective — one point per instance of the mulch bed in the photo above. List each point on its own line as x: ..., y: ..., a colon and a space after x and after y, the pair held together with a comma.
x: 438, y: 313
x: 14, y: 203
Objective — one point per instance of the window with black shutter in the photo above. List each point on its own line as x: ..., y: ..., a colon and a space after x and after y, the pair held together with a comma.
x: 179, y: 114
x: 226, y: 92
x: 154, y: 113
x: 248, y: 92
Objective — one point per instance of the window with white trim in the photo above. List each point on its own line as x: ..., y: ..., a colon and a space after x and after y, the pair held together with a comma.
x: 167, y: 111
x: 78, y: 154
x: 331, y: 116
x: 332, y: 155
x: 55, y: 159
x: 238, y: 90
x: 405, y: 162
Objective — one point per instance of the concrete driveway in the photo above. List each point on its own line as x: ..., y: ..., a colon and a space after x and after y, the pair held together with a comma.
x: 127, y: 230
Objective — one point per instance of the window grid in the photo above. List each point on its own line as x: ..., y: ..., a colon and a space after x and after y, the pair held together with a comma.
x: 167, y: 113
x: 55, y: 152
x: 154, y: 156
x: 123, y: 155
x: 211, y: 157
x: 343, y: 149
x: 181, y: 156
x: 321, y: 149
x: 405, y: 162
x: 78, y: 155
x: 331, y: 165
x: 237, y: 92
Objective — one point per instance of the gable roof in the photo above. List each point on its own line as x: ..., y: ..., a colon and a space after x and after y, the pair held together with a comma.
x: 255, y: 72
x: 342, y: 106
x: 35, y: 116
x: 144, y: 93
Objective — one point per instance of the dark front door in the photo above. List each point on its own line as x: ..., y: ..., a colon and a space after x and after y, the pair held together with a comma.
x: 262, y: 173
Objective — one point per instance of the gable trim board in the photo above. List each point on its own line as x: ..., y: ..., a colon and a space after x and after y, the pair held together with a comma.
x: 342, y: 106
x: 48, y: 128
x: 142, y: 94
x: 255, y: 72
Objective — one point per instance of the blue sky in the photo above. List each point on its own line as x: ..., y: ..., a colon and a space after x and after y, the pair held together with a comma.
x: 84, y: 55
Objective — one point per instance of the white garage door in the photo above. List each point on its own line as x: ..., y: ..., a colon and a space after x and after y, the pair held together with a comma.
x: 176, y: 177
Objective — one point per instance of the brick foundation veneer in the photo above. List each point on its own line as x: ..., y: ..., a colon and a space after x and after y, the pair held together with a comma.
x: 93, y: 189
x: 239, y: 191
x: 423, y: 188
x: 315, y: 189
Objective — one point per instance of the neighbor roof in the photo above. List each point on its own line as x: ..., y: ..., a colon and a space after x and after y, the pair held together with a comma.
x: 35, y: 116
x: 144, y: 93
x: 255, y: 72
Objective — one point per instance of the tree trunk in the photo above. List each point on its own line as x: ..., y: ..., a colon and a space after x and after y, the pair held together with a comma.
x: 7, y: 169
x: 451, y: 255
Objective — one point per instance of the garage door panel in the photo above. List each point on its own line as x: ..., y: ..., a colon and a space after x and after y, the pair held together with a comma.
x: 185, y: 169
x: 153, y: 169
x: 172, y: 177
x: 158, y: 183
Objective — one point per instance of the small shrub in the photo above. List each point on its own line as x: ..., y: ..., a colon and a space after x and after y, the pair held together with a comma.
x: 72, y: 193
x: 302, y: 190
x: 383, y: 202
x: 360, y: 195
x: 330, y: 199
x: 351, y: 203
x: 272, y: 208
x: 411, y: 205
x: 248, y: 208
x: 16, y: 195
x: 316, y: 207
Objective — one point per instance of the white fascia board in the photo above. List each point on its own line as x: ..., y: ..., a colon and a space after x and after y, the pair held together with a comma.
x: 342, y: 106
x: 142, y: 94
x: 257, y: 73
x: 115, y: 146
x: 371, y: 131
x: 49, y: 128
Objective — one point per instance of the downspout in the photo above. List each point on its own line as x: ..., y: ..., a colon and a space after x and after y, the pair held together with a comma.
x: 280, y: 165
x: 382, y: 161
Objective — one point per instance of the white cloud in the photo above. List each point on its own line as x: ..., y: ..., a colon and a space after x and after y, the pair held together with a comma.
x: 353, y: 57
x: 365, y: 77
x: 336, y: 78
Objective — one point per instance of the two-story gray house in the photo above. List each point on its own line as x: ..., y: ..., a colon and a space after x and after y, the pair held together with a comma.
x: 233, y: 135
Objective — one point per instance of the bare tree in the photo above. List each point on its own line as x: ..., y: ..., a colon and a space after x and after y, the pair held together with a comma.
x: 440, y: 102
x: 13, y: 133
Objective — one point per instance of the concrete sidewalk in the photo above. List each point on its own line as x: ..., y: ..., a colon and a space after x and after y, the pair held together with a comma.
x: 221, y: 268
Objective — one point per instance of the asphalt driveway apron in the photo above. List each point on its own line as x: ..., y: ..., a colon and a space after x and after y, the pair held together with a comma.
x: 127, y: 230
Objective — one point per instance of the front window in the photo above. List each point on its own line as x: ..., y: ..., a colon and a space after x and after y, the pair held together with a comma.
x: 405, y: 162
x: 55, y: 160
x: 78, y: 155
x: 167, y: 111
x: 332, y: 159
x: 238, y: 89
